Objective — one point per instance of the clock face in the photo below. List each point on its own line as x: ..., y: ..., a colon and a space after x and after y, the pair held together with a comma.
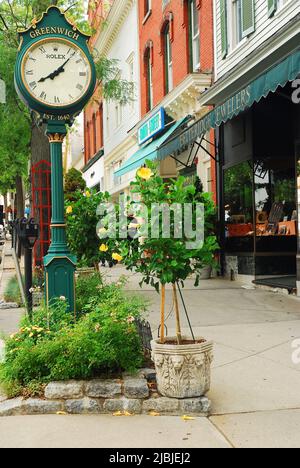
x: 56, y: 72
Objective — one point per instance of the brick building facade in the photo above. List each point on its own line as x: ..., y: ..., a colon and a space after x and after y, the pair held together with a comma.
x: 176, y: 17
x: 176, y: 59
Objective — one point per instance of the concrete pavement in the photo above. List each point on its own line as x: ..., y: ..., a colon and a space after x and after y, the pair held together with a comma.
x: 255, y: 384
x: 108, y: 432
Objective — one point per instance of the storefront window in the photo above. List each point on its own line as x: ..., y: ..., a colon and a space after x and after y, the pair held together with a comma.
x: 276, y: 213
x: 238, y: 199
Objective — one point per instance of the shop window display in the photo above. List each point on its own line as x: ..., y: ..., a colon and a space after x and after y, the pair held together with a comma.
x: 275, y: 203
x: 238, y: 192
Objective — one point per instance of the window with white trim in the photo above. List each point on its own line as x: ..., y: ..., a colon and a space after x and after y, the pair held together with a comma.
x: 194, y: 35
x: 168, y: 59
x: 130, y: 62
x: 281, y: 3
x: 234, y: 23
x: 149, y: 79
x: 147, y: 7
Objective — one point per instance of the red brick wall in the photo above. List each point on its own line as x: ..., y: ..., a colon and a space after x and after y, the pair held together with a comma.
x: 93, y: 115
x: 93, y: 127
x: 150, y: 31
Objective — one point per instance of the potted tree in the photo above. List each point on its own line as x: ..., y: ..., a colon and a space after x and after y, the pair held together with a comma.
x: 182, y: 364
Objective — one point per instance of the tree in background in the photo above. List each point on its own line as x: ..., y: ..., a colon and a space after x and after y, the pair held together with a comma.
x: 30, y: 137
x: 74, y: 182
x: 15, y: 125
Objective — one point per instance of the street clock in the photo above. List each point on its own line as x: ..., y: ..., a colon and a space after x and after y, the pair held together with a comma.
x: 55, y: 72
x: 55, y: 76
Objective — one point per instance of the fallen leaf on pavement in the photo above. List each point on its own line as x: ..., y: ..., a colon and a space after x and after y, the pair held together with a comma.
x: 122, y: 413
x: 187, y: 418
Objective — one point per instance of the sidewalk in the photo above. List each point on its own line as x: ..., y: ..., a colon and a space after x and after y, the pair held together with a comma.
x: 9, y: 319
x: 255, y: 388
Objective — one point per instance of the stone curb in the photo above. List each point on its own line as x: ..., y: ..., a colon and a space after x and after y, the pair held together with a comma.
x: 130, y: 395
x: 198, y: 407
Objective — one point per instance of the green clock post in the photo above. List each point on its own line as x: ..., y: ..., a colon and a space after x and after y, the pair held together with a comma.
x: 55, y: 76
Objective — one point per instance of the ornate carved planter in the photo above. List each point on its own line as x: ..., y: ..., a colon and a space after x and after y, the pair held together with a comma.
x: 183, y: 371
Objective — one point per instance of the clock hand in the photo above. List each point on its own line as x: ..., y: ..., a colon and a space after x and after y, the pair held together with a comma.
x: 56, y: 72
x: 59, y: 70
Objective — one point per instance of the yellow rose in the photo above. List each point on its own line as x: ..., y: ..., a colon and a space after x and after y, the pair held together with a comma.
x: 102, y: 233
x: 145, y: 173
x: 117, y: 257
x: 88, y: 194
x: 69, y: 210
x: 103, y: 248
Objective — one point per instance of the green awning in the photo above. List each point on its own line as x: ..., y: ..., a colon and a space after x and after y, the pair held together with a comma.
x: 149, y: 151
x: 278, y: 75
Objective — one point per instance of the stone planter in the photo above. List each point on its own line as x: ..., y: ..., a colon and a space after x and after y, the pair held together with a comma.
x: 206, y: 272
x: 182, y: 371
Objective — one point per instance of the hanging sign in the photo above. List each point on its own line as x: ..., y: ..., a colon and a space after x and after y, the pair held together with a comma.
x: 152, y: 127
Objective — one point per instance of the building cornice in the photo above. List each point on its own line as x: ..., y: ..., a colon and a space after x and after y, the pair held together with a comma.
x: 182, y: 100
x: 92, y: 161
x: 118, y: 151
x: 276, y: 48
x: 117, y: 15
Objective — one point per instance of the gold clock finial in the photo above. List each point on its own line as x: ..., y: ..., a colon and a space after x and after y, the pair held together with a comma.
x: 56, y: 137
x: 34, y: 22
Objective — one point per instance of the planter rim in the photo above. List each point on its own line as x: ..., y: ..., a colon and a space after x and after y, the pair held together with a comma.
x: 181, y: 349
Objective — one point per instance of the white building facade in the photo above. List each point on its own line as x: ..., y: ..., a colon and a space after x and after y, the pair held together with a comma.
x: 119, y: 40
x: 257, y: 121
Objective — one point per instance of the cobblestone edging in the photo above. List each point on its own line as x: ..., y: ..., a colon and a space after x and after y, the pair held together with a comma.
x: 130, y: 394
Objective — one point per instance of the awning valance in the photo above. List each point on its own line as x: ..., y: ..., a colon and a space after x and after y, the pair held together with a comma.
x: 278, y: 75
x: 149, y: 151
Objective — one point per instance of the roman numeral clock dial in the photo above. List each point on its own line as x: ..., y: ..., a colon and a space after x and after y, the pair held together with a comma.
x: 56, y: 73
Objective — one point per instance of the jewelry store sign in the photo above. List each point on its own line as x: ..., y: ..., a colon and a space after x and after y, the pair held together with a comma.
x: 152, y: 127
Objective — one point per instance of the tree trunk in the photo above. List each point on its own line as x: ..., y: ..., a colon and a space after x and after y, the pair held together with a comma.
x: 5, y: 209
x: 20, y: 206
x: 40, y: 148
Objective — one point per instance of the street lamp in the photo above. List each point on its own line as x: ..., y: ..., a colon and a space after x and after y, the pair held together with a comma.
x: 28, y: 232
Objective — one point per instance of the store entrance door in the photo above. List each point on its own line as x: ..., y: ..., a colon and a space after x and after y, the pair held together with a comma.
x: 275, y: 176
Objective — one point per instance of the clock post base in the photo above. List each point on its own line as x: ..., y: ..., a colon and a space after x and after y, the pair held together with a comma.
x: 60, y: 280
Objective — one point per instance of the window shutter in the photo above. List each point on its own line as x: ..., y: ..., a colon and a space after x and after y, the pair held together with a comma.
x: 272, y: 7
x: 223, y: 17
x: 248, y: 17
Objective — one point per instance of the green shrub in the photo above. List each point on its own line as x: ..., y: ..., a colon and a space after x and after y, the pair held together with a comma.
x: 73, y: 182
x: 82, y: 220
x: 12, y: 291
x: 52, y: 347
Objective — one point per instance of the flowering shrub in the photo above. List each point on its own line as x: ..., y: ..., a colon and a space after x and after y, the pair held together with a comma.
x: 82, y: 219
x: 168, y: 260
